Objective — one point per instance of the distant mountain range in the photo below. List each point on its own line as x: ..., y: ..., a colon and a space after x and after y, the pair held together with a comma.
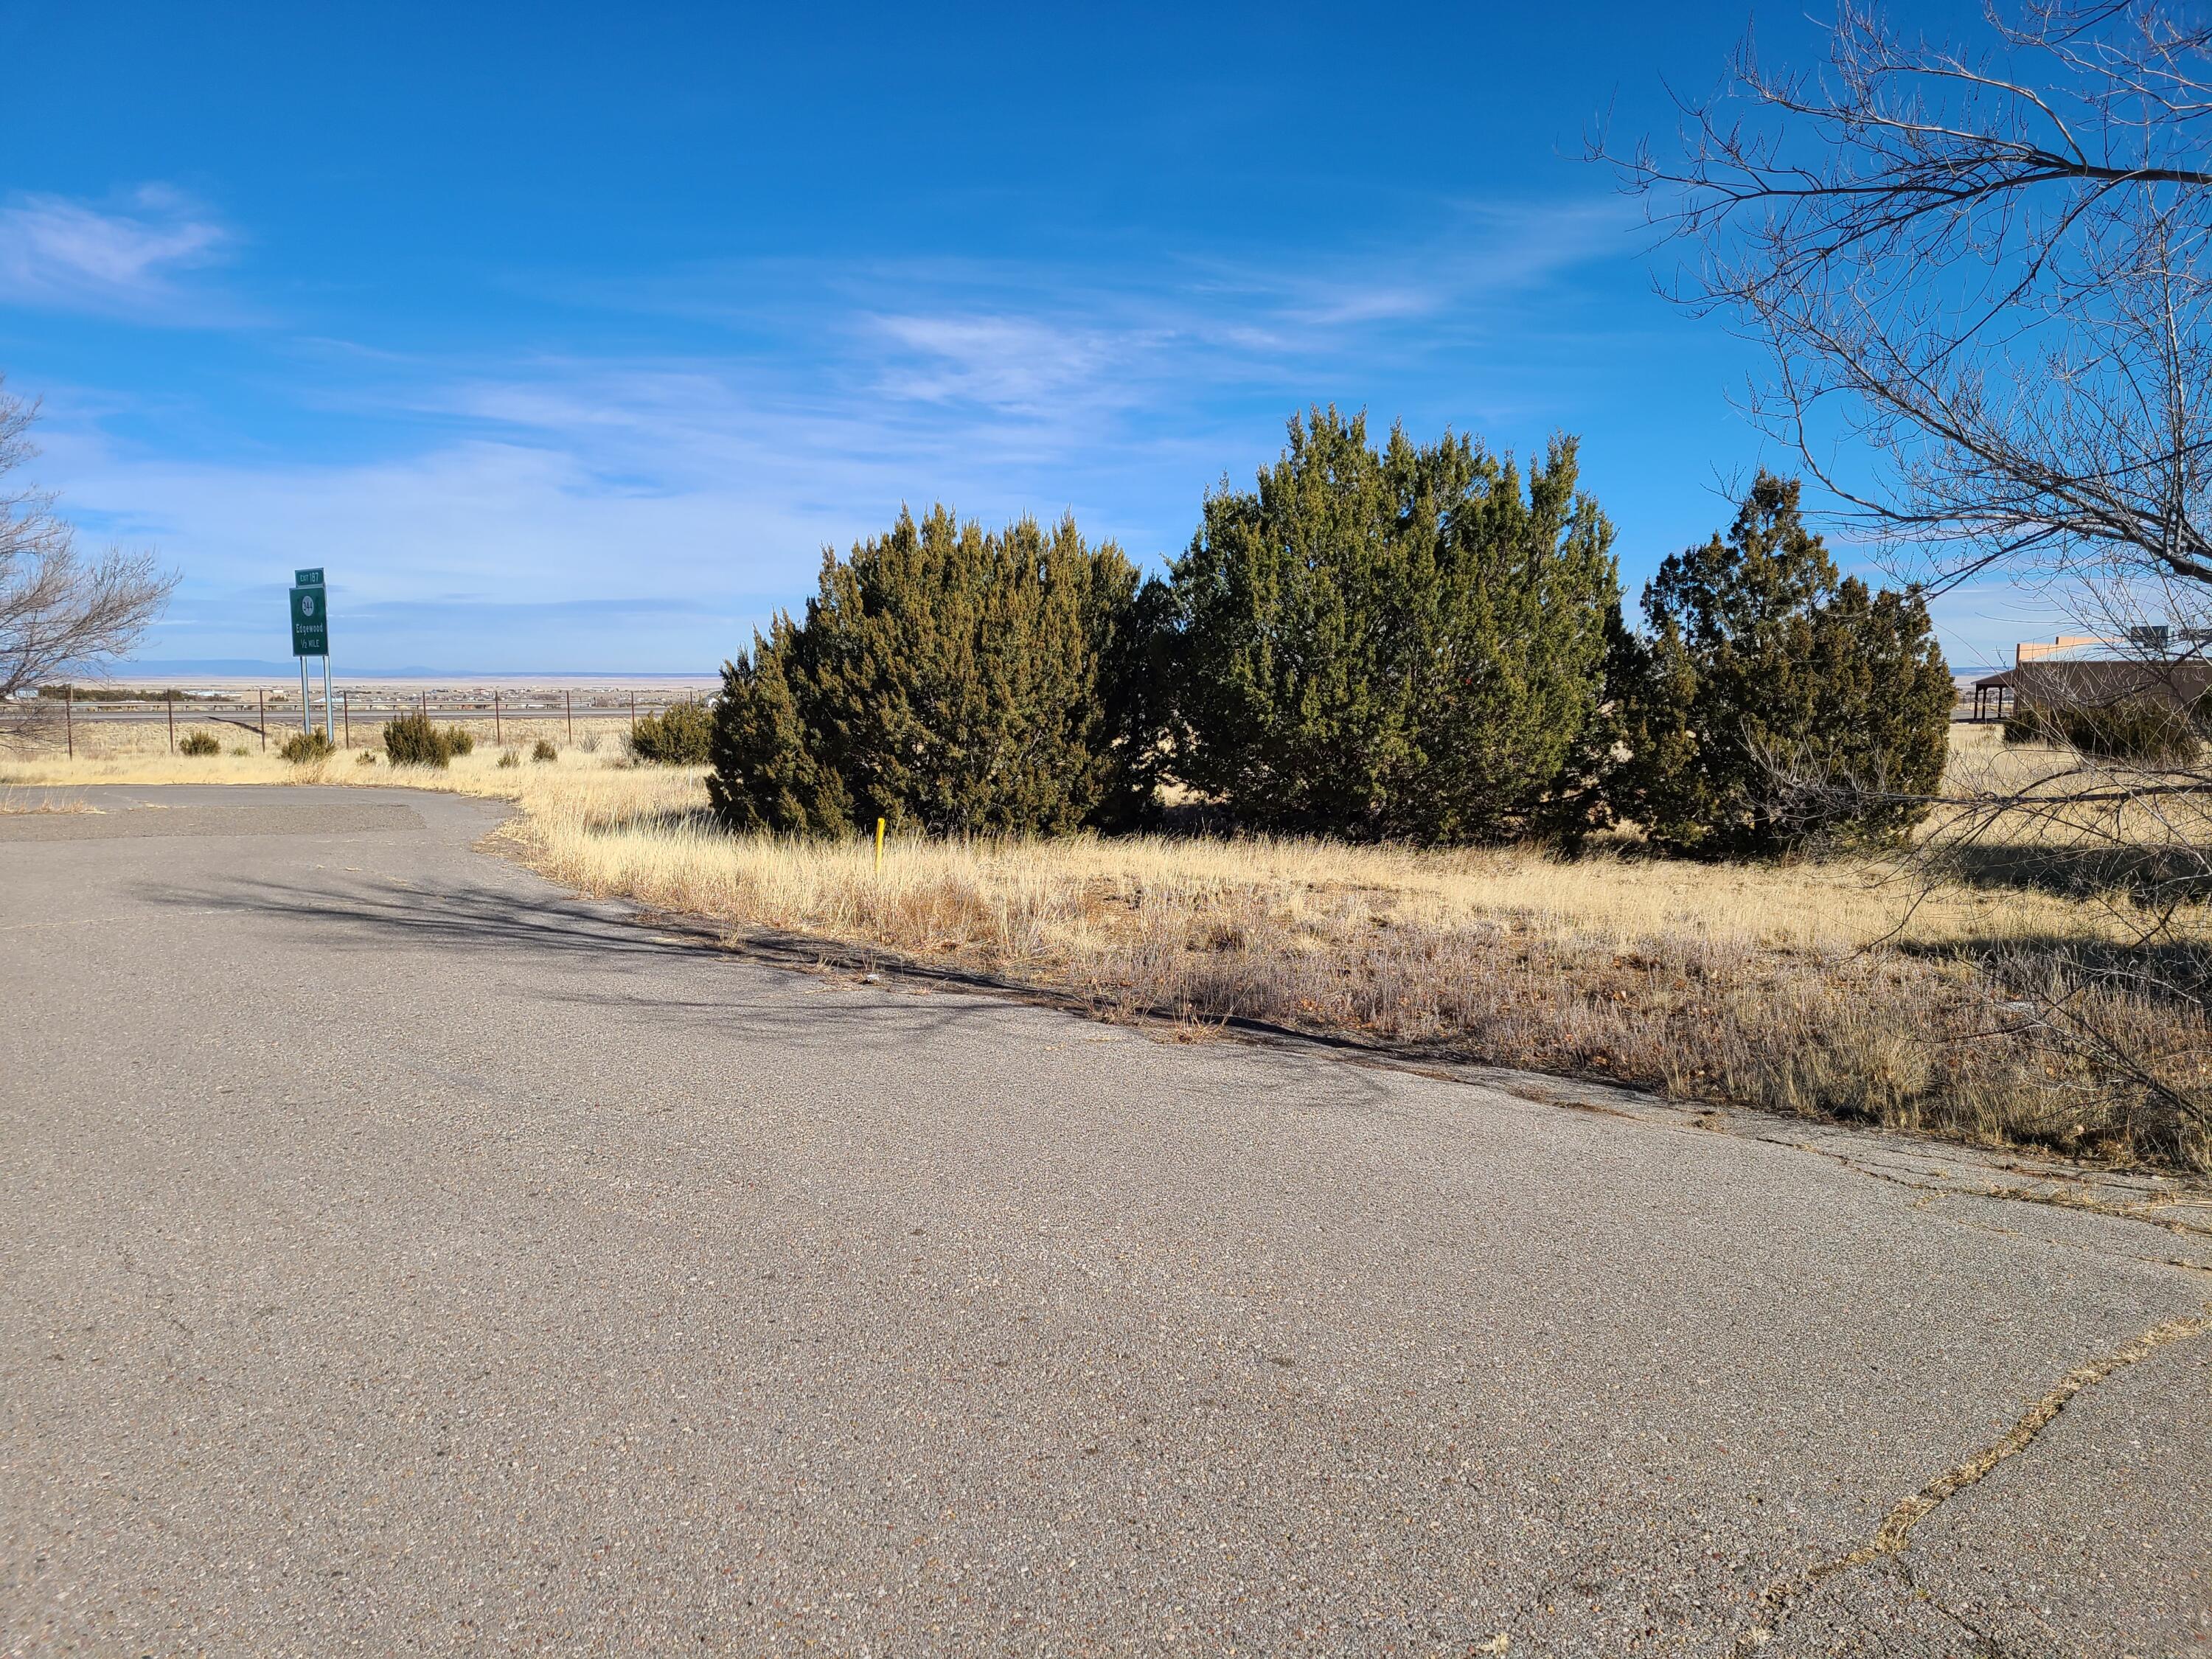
x: 288, y: 669
x: 233, y: 666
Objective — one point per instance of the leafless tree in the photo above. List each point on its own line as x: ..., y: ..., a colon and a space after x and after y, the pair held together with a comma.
x: 61, y: 612
x: 1984, y: 274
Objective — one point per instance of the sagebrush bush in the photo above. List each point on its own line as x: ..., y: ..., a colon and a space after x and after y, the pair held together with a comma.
x: 415, y: 741
x: 366, y: 758
x: 543, y: 750
x: 679, y: 736
x: 304, y: 747
x: 509, y: 757
x: 2147, y: 730
x: 200, y: 743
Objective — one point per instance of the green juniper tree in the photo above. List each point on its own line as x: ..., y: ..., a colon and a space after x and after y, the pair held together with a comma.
x: 944, y: 678
x: 766, y: 775
x: 1772, y: 703
x: 1388, y: 645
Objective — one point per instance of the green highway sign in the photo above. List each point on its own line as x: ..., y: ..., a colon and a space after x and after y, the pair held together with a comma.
x: 311, y: 628
x: 307, y: 578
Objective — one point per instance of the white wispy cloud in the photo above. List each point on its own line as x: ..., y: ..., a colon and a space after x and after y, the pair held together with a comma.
x: 124, y: 260
x: 702, y: 484
x: 1004, y: 362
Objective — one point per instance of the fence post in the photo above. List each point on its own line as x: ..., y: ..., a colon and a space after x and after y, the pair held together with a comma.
x: 261, y: 703
x: 633, y: 717
x: 345, y: 709
x: 171, y: 705
x: 568, y: 703
x: 497, y: 741
x: 68, y: 717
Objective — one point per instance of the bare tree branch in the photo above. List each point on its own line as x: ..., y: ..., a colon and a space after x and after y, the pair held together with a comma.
x: 61, y: 613
x: 1987, y: 274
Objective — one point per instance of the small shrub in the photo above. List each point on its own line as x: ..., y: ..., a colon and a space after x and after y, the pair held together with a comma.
x: 679, y: 736
x: 543, y: 750
x: 2143, y: 730
x: 366, y: 758
x: 303, y: 748
x: 240, y: 750
x: 413, y: 740
x: 508, y: 757
x: 200, y: 743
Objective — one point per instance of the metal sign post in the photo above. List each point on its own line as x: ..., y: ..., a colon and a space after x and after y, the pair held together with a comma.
x: 311, y: 637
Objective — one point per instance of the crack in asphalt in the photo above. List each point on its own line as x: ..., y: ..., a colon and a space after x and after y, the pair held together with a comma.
x: 1986, y: 1646
x: 1930, y: 1191
x: 2061, y: 1199
x: 1896, y: 1529
x: 2143, y: 1212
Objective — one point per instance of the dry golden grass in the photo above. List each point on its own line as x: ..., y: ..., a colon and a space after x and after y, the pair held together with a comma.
x: 1833, y: 990
x: 937, y: 890
x: 125, y: 749
x: 1982, y: 765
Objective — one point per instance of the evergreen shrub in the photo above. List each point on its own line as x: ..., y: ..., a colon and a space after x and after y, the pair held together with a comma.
x: 416, y: 740
x: 679, y: 736
x: 2140, y: 730
x: 1772, y: 704
x: 1399, y: 644
x: 946, y: 678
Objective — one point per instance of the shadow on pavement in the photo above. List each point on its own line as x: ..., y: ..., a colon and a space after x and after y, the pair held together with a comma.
x: 473, y: 918
x: 484, y: 919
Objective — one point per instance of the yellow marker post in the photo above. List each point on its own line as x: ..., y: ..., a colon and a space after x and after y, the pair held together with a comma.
x: 879, y: 847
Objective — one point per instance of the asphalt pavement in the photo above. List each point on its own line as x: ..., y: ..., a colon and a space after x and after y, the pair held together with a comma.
x: 398, y: 1255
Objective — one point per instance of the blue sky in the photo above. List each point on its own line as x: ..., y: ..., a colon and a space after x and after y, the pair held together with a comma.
x: 564, y: 338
